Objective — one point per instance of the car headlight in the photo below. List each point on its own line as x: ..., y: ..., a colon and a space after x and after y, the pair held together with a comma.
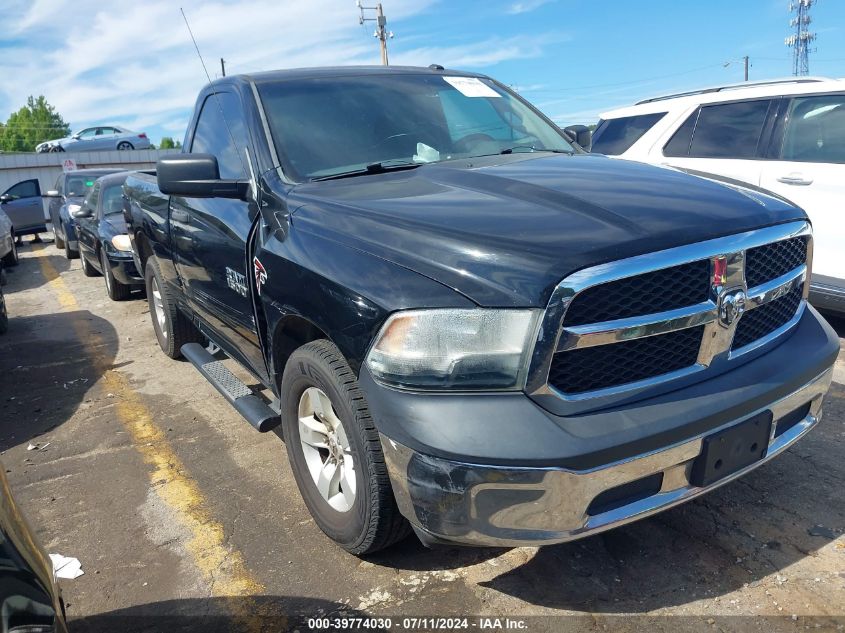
x: 73, y: 208
x: 121, y: 242
x: 454, y: 349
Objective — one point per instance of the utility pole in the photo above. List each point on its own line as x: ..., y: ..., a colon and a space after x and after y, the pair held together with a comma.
x: 381, y: 27
x: 745, y: 59
x: 802, y: 37
x: 223, y: 66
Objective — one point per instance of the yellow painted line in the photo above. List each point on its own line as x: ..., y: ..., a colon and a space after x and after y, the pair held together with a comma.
x: 221, y: 566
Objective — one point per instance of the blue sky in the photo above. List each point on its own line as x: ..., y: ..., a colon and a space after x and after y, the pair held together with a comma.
x: 132, y: 64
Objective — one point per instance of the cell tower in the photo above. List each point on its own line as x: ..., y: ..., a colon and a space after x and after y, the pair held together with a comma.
x: 800, y: 40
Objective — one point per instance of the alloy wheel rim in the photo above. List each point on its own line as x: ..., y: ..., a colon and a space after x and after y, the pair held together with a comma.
x: 158, y: 307
x: 326, y: 449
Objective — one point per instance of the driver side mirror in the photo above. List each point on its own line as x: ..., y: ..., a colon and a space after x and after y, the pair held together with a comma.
x: 581, y: 134
x: 82, y: 212
x: 5, y: 198
x: 197, y: 176
x: 77, y: 135
x: 52, y: 193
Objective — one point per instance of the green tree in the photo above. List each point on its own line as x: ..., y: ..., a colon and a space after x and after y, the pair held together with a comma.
x: 168, y: 143
x: 34, y: 123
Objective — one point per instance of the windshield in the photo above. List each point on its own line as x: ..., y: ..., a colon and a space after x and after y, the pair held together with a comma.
x: 78, y: 185
x: 334, y: 125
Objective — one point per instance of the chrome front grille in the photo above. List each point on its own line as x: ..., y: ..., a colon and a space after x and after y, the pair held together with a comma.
x: 632, y: 325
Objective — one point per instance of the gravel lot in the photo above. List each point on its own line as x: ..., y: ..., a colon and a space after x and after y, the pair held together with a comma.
x: 178, y: 508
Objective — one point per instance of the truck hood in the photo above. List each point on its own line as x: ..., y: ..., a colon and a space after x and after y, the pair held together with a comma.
x: 504, y: 231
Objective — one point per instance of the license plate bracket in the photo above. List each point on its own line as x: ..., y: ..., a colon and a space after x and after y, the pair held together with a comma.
x: 732, y: 449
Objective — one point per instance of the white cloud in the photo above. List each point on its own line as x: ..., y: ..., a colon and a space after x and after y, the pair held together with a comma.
x: 136, y: 66
x: 526, y: 6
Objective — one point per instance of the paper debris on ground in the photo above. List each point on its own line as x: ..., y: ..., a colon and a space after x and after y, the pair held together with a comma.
x: 66, y: 567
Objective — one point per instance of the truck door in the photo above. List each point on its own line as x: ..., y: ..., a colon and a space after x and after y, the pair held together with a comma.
x: 22, y: 203
x: 210, y: 235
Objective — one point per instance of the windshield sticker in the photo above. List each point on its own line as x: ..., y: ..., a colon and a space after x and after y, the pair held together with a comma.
x: 471, y: 87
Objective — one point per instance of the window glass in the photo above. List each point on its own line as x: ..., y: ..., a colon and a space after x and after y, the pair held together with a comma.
x: 325, y: 127
x: 78, y: 185
x: 729, y: 130
x: 615, y: 136
x: 89, y: 133
x: 815, y: 130
x: 113, y: 199
x: 60, y: 181
x: 678, y: 145
x: 212, y: 136
x: 90, y: 201
x: 25, y: 189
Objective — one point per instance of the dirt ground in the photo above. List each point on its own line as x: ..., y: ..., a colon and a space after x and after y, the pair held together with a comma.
x: 185, y: 518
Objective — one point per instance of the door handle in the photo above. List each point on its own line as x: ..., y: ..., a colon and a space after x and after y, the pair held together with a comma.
x: 795, y: 179
x: 180, y: 216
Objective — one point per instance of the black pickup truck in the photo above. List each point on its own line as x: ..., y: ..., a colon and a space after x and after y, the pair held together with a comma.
x: 471, y: 327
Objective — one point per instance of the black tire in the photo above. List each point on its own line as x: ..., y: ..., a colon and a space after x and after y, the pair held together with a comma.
x: 114, y: 289
x: 125, y: 145
x: 178, y: 330
x: 59, y: 242
x: 87, y: 269
x: 11, y: 258
x: 373, y: 521
x: 70, y: 253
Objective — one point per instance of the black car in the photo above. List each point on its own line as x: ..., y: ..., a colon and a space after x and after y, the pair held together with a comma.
x: 469, y: 326
x: 103, y: 243
x: 4, y: 317
x: 29, y: 593
x: 65, y: 200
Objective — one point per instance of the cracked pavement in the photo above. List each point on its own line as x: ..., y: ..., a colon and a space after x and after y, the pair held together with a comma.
x: 752, y: 554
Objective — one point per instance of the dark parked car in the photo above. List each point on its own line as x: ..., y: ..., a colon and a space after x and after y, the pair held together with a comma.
x: 8, y: 248
x: 65, y: 199
x: 469, y: 326
x: 23, y: 204
x: 104, y: 246
x: 30, y: 597
x: 4, y: 316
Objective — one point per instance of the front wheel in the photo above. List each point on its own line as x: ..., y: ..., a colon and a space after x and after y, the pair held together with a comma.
x: 171, y: 327
x: 334, y: 451
x: 70, y: 253
x: 11, y: 258
x: 59, y: 242
x: 116, y: 290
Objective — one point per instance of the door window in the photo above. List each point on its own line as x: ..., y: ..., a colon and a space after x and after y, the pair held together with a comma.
x: 89, y: 133
x: 220, y: 131
x: 90, y: 201
x: 815, y: 130
x: 113, y: 199
x: 679, y: 144
x: 616, y: 136
x: 729, y: 130
x: 24, y: 189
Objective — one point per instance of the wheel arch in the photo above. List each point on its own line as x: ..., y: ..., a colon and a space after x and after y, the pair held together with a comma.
x: 289, y: 334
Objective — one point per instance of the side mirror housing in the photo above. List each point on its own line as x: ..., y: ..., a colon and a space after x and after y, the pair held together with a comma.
x: 5, y: 198
x: 196, y: 176
x: 580, y: 134
x: 82, y: 212
x: 52, y: 193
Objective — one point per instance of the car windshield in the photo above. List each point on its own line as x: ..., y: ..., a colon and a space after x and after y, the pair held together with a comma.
x: 336, y: 125
x: 78, y: 185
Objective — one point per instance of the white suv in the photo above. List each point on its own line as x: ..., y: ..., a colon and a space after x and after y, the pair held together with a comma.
x: 787, y: 136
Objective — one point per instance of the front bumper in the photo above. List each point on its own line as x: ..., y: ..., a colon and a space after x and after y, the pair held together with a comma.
x: 468, y: 472
x: 123, y: 269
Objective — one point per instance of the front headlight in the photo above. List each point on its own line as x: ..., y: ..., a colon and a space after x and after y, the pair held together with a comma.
x: 121, y: 242
x: 454, y: 349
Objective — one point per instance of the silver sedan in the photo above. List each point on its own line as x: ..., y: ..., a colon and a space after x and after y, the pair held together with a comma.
x: 100, y: 138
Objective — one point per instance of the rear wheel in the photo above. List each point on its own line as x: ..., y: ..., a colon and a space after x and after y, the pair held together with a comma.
x: 335, y: 452
x: 59, y: 242
x: 125, y: 145
x: 87, y: 269
x: 116, y: 290
x: 11, y: 258
x: 171, y: 327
